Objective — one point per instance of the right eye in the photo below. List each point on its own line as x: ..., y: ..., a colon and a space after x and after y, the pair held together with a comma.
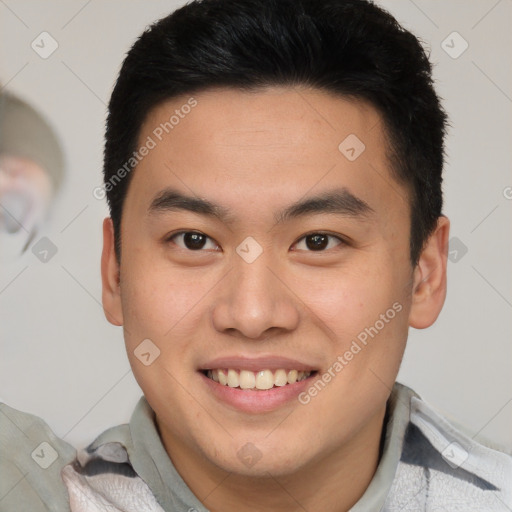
x: 193, y: 240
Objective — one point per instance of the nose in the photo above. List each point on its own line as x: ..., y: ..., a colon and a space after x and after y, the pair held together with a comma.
x: 255, y: 302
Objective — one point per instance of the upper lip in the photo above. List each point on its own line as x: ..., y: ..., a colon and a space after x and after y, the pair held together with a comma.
x: 257, y: 363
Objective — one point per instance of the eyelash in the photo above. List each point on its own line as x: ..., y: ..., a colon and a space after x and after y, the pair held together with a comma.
x: 338, y: 238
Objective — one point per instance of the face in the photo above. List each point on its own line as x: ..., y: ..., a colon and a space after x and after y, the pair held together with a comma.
x: 265, y: 243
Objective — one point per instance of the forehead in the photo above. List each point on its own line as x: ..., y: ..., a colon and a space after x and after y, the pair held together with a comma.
x: 264, y: 146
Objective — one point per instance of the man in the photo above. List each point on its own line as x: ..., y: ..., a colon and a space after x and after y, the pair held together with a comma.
x: 273, y: 171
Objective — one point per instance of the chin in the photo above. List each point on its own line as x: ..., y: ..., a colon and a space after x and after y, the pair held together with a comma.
x: 250, y: 461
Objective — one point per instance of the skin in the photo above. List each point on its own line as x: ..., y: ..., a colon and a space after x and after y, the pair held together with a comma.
x: 256, y: 153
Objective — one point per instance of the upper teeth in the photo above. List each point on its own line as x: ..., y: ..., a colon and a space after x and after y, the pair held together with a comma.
x: 263, y: 379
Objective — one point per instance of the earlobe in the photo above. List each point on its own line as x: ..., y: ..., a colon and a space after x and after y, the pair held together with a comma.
x: 429, y: 288
x: 111, y: 292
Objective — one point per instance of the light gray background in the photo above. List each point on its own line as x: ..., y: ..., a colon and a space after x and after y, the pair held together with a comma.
x: 61, y: 360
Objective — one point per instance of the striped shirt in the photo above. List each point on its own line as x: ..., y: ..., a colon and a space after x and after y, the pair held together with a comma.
x: 426, y: 465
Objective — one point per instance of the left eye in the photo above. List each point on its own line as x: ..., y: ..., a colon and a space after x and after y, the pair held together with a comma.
x: 193, y: 241
x: 318, y: 242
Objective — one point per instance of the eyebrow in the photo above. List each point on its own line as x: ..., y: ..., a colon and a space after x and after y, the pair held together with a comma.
x: 338, y: 201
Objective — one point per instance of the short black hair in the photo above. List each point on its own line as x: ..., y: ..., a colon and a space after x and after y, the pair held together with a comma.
x: 351, y: 48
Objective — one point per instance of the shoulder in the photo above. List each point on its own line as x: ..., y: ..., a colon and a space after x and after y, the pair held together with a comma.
x: 31, y: 458
x: 443, y: 468
x: 102, y: 476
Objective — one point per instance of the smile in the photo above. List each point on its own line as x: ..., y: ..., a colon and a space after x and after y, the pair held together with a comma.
x: 259, y: 380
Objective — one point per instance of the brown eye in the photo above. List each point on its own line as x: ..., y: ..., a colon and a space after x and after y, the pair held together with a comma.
x: 318, y: 242
x: 193, y: 241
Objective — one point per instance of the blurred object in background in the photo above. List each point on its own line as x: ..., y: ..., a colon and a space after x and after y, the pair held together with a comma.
x: 31, y: 172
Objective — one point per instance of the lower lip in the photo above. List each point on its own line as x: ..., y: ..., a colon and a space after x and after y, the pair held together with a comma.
x: 256, y: 402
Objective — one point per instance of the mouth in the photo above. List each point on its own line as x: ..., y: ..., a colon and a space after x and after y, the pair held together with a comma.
x: 255, y: 385
x: 261, y: 380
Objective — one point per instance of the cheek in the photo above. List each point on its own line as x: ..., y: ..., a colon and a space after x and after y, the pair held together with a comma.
x: 157, y: 301
x: 347, y: 300
x: 161, y: 306
x: 364, y: 313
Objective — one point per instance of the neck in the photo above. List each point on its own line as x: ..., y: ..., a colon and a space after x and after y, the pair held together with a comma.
x: 333, y: 482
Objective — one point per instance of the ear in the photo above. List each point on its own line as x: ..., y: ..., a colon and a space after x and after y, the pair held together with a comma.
x: 429, y: 288
x: 111, y: 294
